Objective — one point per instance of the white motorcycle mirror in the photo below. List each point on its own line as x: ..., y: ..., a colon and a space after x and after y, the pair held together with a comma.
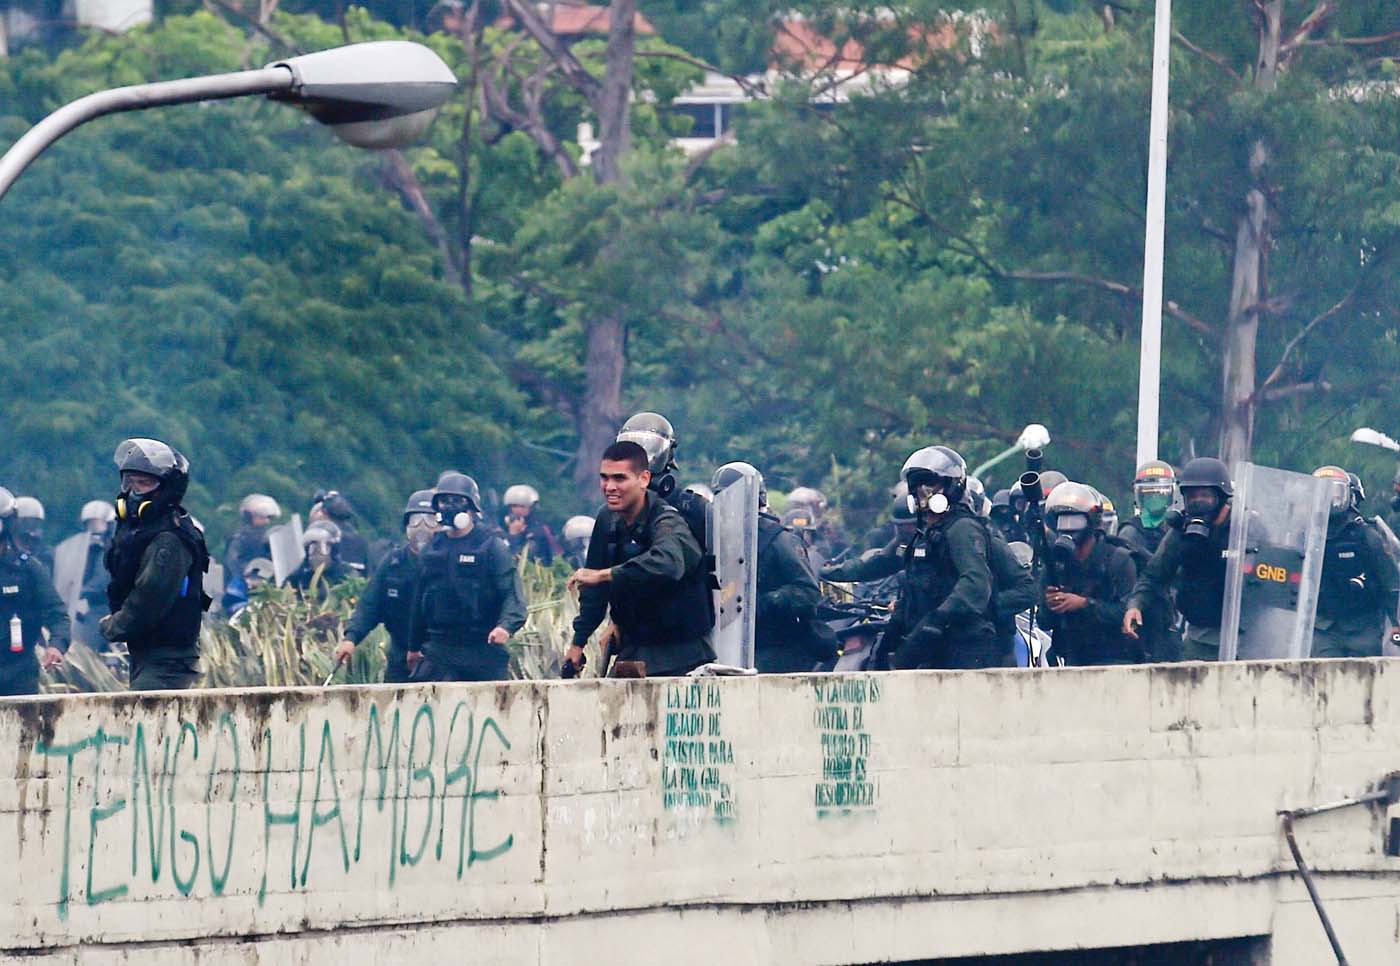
x: 1372, y: 437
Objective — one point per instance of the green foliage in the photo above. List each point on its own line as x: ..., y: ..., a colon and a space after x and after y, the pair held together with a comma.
x: 939, y: 261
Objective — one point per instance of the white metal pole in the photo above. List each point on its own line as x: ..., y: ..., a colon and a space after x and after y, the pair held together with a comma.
x: 1150, y: 360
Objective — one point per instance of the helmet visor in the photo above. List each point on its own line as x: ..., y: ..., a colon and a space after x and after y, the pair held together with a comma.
x: 1070, y: 522
x: 1339, y: 494
x: 657, y: 447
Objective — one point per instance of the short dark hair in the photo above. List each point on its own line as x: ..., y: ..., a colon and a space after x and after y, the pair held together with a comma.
x: 628, y: 452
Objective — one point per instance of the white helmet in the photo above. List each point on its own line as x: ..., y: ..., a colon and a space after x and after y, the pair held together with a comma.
x: 28, y: 508
x: 259, y: 505
x: 578, y: 528
x: 97, y: 510
x: 521, y: 494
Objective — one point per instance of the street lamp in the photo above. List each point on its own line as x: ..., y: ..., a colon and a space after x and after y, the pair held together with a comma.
x: 1374, y: 438
x: 1034, y: 436
x: 374, y: 95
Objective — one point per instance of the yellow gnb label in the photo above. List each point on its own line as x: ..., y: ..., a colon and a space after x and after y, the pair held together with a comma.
x: 1278, y: 575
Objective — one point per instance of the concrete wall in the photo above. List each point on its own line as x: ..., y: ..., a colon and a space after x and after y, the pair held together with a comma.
x: 779, y: 820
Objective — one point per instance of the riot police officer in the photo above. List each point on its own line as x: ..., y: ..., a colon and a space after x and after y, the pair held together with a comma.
x: 29, y: 530
x: 79, y: 575
x: 645, y: 571
x: 28, y: 605
x: 1086, y: 582
x: 322, y: 565
x: 157, y: 563
x: 944, y: 617
x: 352, y: 549
x: 577, y: 531
x: 1360, y: 586
x: 1154, y: 492
x: 388, y: 599
x: 523, y: 526
x: 1005, y: 517
x: 1190, y: 561
x: 468, y: 600
x: 256, y: 512
x: 786, y: 639
x: 827, y: 538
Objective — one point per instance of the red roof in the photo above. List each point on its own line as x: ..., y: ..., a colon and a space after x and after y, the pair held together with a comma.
x: 580, y: 19
x: 798, y: 45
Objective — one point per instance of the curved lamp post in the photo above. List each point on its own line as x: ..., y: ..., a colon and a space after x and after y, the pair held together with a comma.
x: 374, y: 95
x: 1034, y: 436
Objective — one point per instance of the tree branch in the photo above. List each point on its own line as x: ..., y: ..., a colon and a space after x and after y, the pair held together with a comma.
x: 1303, y: 333
x: 398, y: 174
x: 746, y: 85
x: 577, y: 75
x: 1213, y: 58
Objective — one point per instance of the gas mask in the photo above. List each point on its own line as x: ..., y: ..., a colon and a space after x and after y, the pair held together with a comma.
x: 929, y: 499
x: 454, y: 512
x: 319, y: 553
x: 1070, y: 531
x: 1153, y: 506
x: 419, y: 530
x: 1201, y: 508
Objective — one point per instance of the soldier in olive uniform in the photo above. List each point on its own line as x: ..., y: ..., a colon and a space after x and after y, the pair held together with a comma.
x: 945, y: 616
x: 785, y: 638
x: 1360, y: 587
x: 1190, y: 561
x: 157, y: 560
x: 644, y: 570
x: 468, y: 600
x: 388, y: 599
x: 1087, y: 581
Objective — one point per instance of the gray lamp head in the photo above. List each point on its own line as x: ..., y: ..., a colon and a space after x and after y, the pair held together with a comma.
x: 1374, y: 438
x: 382, y: 94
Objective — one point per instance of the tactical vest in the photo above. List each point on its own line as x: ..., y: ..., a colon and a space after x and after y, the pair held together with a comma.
x: 178, y: 630
x: 1349, y: 589
x: 656, y: 616
x: 460, y: 600
x: 930, y: 575
x: 400, y: 577
x: 1200, y: 592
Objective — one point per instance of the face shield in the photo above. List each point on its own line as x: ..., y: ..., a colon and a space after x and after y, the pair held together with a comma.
x: 1153, y: 500
x: 420, y: 529
x: 1338, y: 495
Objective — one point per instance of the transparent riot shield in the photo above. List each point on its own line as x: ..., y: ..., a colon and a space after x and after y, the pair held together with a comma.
x: 1278, y: 526
x: 287, y: 551
x: 733, y: 534
x: 69, y: 562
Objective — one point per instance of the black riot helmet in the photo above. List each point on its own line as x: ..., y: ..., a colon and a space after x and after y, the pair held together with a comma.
x: 456, y: 496
x: 420, y: 502
x: 652, y: 432
x: 152, y: 458
x: 733, y: 473
x: 933, y: 472
x: 1358, y: 491
x: 1205, y: 487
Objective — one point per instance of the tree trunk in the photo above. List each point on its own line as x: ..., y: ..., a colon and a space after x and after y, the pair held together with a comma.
x: 613, y: 104
x: 1250, y: 279
x: 600, y: 409
x: 1242, y: 330
x: 599, y: 412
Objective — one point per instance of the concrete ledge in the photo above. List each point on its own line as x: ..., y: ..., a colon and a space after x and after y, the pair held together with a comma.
x: 782, y: 819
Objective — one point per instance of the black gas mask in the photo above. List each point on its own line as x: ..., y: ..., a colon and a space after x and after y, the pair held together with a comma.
x: 1202, y: 506
x: 1068, y: 532
x: 454, y: 511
